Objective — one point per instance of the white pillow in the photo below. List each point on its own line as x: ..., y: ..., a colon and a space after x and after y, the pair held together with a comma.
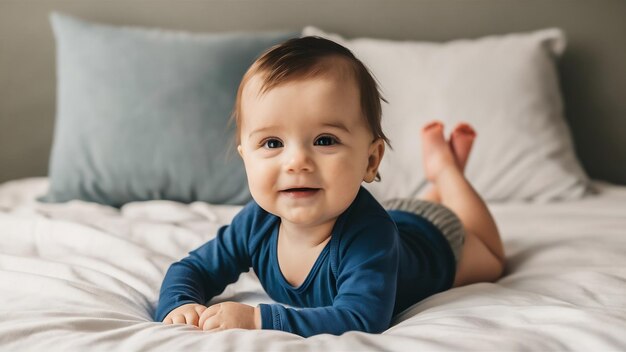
x: 506, y: 86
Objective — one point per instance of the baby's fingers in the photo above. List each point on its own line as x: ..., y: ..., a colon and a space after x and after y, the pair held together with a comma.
x: 178, y: 319
x: 200, y: 309
x: 192, y: 318
x: 213, y: 323
x: 206, y: 314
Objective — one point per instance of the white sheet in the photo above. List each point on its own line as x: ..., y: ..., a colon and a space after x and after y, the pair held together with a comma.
x: 80, y: 275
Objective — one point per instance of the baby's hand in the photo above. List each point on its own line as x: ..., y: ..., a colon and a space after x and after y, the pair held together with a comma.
x: 186, y: 314
x: 230, y: 315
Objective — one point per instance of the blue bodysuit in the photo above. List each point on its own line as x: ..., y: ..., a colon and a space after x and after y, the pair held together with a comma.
x: 375, y: 265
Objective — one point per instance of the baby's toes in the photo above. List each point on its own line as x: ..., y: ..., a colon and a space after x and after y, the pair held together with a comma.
x: 437, y: 154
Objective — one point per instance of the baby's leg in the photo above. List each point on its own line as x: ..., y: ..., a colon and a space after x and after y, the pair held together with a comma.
x: 461, y: 140
x: 482, y: 257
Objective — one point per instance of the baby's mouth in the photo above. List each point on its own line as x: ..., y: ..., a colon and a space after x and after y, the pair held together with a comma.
x: 300, y: 192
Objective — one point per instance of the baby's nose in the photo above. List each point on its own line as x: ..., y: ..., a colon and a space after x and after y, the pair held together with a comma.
x: 299, y: 160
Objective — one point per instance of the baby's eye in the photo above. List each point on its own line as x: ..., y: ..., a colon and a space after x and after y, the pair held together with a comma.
x: 326, y: 141
x: 272, y: 143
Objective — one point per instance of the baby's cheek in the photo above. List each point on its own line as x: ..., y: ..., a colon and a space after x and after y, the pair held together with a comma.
x: 260, y: 180
x: 347, y: 179
x: 353, y: 168
x: 257, y: 182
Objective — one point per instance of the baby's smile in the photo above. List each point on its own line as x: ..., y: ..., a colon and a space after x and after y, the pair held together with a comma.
x: 300, y: 192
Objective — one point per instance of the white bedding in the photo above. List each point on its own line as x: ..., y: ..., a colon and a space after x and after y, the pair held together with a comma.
x: 80, y: 275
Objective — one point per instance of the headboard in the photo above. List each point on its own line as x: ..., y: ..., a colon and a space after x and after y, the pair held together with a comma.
x: 593, y: 69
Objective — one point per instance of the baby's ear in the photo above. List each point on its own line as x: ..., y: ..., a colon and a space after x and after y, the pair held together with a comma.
x: 239, y: 150
x: 375, y: 155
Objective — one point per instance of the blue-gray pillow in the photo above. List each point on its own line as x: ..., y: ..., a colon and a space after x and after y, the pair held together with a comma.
x: 143, y: 114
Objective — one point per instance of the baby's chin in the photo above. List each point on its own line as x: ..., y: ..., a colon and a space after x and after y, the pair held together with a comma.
x: 307, y: 217
x: 308, y: 212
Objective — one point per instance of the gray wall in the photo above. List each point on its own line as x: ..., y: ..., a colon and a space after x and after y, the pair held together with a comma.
x: 593, y: 69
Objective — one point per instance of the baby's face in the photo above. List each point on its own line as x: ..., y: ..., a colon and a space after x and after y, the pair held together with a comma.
x: 306, y: 147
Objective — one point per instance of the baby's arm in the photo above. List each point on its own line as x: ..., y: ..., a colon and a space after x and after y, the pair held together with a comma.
x: 205, y: 272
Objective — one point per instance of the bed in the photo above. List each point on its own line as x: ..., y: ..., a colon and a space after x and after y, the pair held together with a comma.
x: 85, y: 239
x: 80, y: 276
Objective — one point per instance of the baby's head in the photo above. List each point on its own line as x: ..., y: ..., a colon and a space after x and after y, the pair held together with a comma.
x: 308, y: 118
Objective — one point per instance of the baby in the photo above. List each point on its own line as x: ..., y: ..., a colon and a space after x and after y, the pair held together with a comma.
x: 308, y: 118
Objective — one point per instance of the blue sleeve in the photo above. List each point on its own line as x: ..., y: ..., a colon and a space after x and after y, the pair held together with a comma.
x: 366, y: 281
x: 209, y: 269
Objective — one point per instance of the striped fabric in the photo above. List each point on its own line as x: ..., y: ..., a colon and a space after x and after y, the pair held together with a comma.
x: 442, y: 217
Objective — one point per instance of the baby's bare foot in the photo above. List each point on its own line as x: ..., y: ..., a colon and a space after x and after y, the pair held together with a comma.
x: 461, y: 140
x: 437, y: 154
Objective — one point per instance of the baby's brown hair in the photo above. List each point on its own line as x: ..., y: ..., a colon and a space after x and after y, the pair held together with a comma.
x: 308, y: 57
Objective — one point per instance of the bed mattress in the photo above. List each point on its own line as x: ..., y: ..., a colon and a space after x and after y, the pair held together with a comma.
x: 80, y: 275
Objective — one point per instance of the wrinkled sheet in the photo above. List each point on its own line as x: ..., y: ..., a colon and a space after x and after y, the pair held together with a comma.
x: 80, y: 275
